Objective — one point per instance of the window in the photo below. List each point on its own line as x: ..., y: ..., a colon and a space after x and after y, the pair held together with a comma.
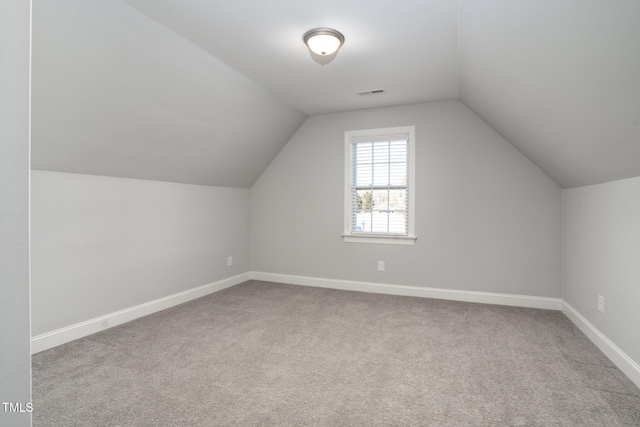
x: 379, y: 189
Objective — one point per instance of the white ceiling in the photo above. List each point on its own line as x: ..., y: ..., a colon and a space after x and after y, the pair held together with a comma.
x: 208, y: 92
x: 409, y: 48
x: 115, y: 93
x: 560, y: 80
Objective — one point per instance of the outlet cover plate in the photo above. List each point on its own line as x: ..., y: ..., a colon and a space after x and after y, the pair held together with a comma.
x: 601, y: 304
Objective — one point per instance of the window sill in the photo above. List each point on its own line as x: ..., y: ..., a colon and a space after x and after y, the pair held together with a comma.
x: 381, y: 239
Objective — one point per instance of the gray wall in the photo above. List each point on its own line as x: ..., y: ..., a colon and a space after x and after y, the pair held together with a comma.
x: 601, y: 249
x: 487, y: 219
x: 15, y: 360
x: 102, y: 244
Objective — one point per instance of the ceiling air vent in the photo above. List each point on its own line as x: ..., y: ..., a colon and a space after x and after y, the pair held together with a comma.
x: 371, y: 92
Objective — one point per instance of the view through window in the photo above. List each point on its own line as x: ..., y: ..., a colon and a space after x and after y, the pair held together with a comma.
x: 379, y: 186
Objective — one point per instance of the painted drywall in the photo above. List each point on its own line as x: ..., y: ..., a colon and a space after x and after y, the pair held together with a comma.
x: 559, y: 80
x: 103, y: 244
x: 116, y: 93
x: 15, y: 356
x: 487, y: 219
x: 416, y: 60
x: 601, y: 249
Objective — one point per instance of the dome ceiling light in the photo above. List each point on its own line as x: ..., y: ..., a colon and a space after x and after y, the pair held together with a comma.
x: 323, y: 42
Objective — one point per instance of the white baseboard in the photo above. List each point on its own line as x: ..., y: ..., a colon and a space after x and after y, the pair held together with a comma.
x: 414, y: 291
x: 79, y: 330
x: 619, y: 358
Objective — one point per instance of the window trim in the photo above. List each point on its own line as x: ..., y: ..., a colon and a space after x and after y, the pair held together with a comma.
x: 352, y: 137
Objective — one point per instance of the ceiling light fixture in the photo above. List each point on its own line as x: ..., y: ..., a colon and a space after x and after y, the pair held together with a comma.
x: 323, y: 42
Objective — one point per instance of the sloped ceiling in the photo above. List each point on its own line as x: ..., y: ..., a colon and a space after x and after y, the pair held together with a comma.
x: 408, y: 48
x: 208, y: 92
x: 115, y: 93
x: 560, y: 80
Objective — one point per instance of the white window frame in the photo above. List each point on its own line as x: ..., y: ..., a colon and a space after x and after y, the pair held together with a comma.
x: 352, y: 137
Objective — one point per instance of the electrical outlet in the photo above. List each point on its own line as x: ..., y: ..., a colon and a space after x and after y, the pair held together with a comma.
x: 601, y: 304
x: 229, y: 261
x: 380, y: 265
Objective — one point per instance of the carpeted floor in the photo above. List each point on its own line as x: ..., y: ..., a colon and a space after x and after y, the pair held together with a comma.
x: 271, y: 354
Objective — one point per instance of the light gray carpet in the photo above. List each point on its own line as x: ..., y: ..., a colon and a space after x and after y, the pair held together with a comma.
x: 272, y: 354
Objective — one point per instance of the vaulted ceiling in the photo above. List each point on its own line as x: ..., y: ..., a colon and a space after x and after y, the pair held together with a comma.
x: 560, y: 80
x: 208, y: 92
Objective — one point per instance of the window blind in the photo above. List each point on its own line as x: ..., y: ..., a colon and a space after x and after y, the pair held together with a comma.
x: 379, y: 185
